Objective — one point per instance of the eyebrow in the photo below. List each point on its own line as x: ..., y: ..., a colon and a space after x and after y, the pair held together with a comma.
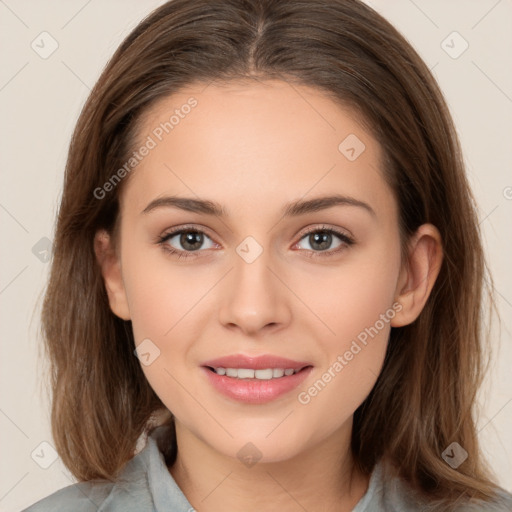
x: 292, y: 209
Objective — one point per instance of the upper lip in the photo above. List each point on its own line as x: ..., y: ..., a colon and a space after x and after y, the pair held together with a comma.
x: 255, y: 362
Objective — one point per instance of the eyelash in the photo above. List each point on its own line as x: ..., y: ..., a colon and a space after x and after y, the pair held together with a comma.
x: 347, y: 241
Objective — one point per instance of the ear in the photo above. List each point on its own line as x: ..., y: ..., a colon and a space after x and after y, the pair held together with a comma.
x: 418, y: 274
x: 111, y: 272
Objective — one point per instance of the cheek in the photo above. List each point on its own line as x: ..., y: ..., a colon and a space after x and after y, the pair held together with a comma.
x: 160, y: 292
x: 367, y: 294
x: 168, y: 304
x: 161, y: 299
x: 357, y: 308
x: 352, y: 297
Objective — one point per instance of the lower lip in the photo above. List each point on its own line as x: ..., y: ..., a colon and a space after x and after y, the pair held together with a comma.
x: 255, y: 391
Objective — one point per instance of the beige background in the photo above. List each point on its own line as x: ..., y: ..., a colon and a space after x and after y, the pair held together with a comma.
x: 40, y: 100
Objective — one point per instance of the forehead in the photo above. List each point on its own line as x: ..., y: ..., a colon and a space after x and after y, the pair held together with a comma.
x: 254, y: 142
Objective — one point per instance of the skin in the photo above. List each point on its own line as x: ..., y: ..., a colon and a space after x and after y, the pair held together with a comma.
x: 254, y: 146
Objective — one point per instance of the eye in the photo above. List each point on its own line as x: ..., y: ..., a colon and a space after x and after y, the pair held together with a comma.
x: 320, y: 239
x: 187, y: 240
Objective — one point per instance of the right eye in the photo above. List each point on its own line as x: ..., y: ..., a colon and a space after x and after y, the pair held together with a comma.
x: 189, y: 239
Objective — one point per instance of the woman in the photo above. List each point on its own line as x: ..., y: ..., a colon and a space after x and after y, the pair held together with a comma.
x: 267, y: 262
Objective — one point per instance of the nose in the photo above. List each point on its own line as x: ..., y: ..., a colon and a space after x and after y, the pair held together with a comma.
x: 255, y: 298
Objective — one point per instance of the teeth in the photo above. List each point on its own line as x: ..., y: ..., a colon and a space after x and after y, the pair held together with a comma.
x: 244, y: 373
x: 249, y: 373
x: 263, y: 374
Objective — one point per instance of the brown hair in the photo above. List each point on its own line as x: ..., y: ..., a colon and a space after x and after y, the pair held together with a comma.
x: 424, y: 398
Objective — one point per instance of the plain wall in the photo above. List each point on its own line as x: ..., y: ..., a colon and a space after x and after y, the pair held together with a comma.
x: 40, y: 100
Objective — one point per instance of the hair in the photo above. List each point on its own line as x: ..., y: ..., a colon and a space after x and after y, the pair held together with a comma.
x: 425, y: 396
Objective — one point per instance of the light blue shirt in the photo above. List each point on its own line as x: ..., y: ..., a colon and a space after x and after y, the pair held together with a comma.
x: 146, y: 485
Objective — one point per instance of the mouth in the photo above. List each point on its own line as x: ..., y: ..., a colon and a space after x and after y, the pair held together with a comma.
x: 255, y: 380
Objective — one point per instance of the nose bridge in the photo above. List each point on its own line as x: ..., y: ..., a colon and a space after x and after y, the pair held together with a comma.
x: 254, y: 297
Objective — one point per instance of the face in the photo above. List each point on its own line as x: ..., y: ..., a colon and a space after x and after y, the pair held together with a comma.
x: 315, y: 285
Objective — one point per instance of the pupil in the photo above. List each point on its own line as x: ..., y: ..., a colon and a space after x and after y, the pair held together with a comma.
x: 191, y: 240
x: 322, y: 238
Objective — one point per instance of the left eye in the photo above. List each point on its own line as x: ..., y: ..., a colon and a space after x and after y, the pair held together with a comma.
x: 320, y: 240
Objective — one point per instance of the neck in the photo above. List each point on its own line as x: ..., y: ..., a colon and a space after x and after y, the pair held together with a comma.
x: 324, y: 473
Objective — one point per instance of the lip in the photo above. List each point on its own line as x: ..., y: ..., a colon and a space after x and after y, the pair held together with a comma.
x: 255, y: 391
x: 255, y: 362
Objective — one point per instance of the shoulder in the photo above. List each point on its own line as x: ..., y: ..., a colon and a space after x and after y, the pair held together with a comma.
x: 144, y: 485
x: 386, y: 492
x: 501, y: 503
x: 130, y: 492
x: 80, y: 497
